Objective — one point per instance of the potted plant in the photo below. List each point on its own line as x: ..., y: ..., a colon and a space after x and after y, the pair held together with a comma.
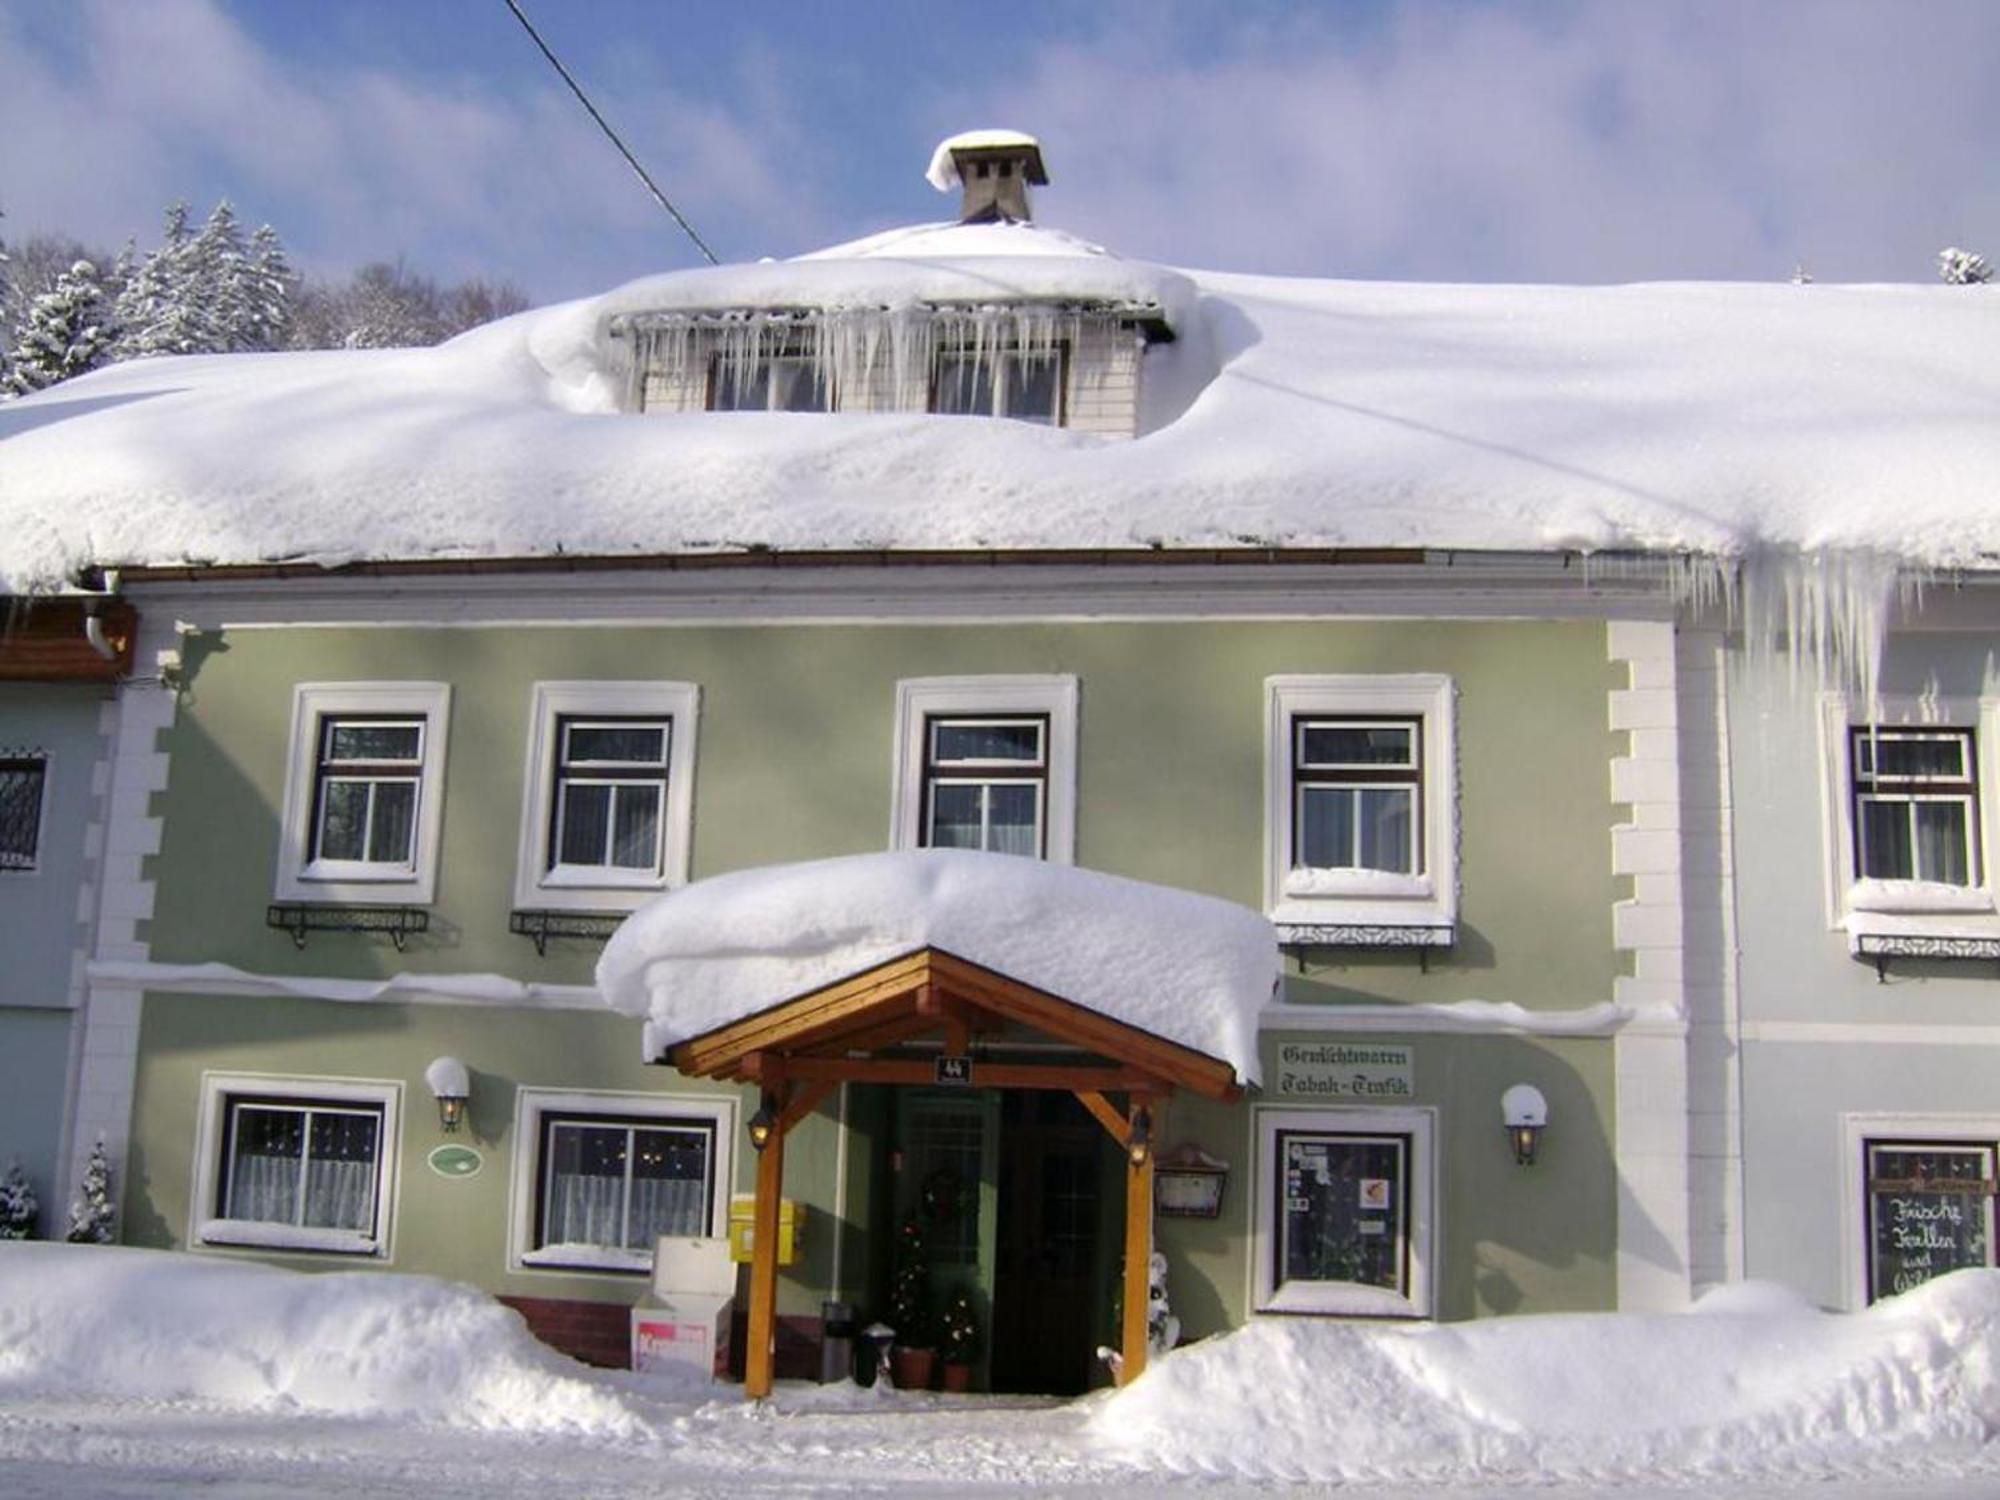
x: 958, y: 1343
x: 909, y: 1310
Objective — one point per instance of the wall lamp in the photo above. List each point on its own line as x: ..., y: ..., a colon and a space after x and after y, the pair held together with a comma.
x: 451, y: 1084
x: 1525, y: 1113
x: 1139, y: 1144
x: 763, y: 1123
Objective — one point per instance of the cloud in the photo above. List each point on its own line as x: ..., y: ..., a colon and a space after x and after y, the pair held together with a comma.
x: 1579, y: 142
x: 461, y: 174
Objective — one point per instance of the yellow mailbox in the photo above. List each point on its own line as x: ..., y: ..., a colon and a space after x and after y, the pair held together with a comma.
x: 743, y: 1229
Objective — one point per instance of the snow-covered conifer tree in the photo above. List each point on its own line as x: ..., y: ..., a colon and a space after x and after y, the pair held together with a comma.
x: 269, y: 283
x: 91, y: 1216
x: 161, y: 308
x: 65, y: 333
x: 18, y: 1207
x: 1962, y: 268
x: 221, y: 287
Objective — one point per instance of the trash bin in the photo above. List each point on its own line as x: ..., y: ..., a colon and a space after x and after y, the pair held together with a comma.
x: 836, y: 1348
x: 684, y: 1320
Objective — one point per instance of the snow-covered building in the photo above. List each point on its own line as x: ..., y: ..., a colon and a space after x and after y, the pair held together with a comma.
x: 1388, y: 620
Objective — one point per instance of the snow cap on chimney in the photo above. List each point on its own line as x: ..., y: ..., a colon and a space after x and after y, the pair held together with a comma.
x: 995, y: 167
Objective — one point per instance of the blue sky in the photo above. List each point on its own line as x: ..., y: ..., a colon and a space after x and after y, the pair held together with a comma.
x: 1541, y: 140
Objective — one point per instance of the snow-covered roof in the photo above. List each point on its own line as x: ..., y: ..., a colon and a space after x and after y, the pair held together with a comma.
x: 1716, y: 419
x: 1190, y: 969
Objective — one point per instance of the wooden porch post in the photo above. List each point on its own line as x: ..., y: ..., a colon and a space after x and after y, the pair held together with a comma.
x: 757, y: 1361
x: 1138, y: 1260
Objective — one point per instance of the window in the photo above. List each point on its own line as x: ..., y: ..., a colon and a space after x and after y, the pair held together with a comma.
x: 1907, y: 828
x: 24, y: 778
x: 1026, y: 386
x: 986, y: 763
x: 985, y: 782
x: 1920, y: 1194
x: 1361, y: 807
x: 1344, y: 1208
x: 295, y: 1164
x: 1916, y: 805
x: 782, y: 382
x: 608, y: 795
x: 362, y: 797
x: 608, y: 1174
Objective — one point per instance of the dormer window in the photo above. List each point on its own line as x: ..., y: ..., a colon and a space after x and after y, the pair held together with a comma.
x: 1026, y: 386
x: 782, y: 382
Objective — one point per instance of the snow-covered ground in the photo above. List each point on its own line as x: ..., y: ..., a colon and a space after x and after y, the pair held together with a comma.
x: 130, y: 1373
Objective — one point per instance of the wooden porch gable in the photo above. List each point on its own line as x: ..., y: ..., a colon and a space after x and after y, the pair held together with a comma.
x: 798, y: 1050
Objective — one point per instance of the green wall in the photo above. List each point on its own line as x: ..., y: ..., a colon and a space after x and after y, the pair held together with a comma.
x: 794, y: 761
x: 34, y: 1077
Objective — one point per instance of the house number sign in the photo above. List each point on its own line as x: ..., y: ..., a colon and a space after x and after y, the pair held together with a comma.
x: 954, y: 1070
x: 1363, y: 1071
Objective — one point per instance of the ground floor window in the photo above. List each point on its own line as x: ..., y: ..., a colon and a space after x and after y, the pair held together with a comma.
x: 296, y: 1163
x: 1343, y: 1212
x: 1929, y: 1210
x: 606, y: 1175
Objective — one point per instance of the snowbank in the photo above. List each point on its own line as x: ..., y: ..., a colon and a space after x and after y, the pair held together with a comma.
x: 1721, y: 420
x: 121, y: 1324
x: 1189, y: 968
x: 1754, y: 1380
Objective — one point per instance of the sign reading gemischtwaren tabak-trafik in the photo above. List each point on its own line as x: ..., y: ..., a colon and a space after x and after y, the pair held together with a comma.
x: 1372, y: 1071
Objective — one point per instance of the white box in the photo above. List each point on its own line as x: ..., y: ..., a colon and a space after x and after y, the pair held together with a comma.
x: 683, y: 1323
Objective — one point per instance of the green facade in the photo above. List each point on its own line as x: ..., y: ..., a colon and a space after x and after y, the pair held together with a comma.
x: 794, y: 762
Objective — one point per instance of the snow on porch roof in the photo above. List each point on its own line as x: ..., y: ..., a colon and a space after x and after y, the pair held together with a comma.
x: 1190, y: 969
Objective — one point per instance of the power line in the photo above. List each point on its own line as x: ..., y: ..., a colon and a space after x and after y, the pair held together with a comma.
x: 584, y: 99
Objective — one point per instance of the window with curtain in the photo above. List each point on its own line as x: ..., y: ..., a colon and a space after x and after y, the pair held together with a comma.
x: 610, y: 793
x: 1014, y: 383
x: 1916, y: 804
x: 366, y: 789
x: 985, y: 783
x: 618, y: 1184
x: 308, y: 1164
x: 1357, y: 794
x: 783, y: 382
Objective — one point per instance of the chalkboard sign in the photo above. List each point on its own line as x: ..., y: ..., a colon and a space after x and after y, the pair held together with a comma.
x: 1930, y: 1210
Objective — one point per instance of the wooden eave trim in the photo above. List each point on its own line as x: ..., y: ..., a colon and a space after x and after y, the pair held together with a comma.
x: 877, y: 1003
x: 42, y: 640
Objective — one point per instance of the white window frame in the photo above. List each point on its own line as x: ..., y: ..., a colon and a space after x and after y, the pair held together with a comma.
x: 921, y: 699
x: 597, y: 888
x: 1856, y: 1131
x: 1905, y: 905
x: 302, y: 878
x: 47, y: 762
x: 1428, y: 898
x: 720, y: 375
x: 531, y: 1104
x: 1267, y: 1294
x: 208, y: 1231
x: 1000, y: 365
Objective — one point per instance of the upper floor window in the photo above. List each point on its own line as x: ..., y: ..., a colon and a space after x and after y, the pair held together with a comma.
x: 608, y: 796
x: 1358, y: 786
x: 23, y: 784
x: 985, y: 783
x: 1361, y: 809
x: 1016, y: 383
x: 362, y: 794
x: 986, y: 763
x: 1916, y: 804
x: 781, y: 382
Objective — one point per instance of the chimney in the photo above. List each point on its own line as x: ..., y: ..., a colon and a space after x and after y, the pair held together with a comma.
x: 996, y: 168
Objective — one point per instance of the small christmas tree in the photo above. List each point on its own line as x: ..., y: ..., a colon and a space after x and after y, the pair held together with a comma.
x: 91, y: 1215
x: 958, y: 1338
x: 18, y: 1207
x: 909, y: 1288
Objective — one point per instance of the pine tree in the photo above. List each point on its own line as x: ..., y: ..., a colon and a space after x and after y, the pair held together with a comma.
x: 91, y: 1216
x: 220, y: 288
x: 909, y: 1288
x: 159, y: 309
x: 270, y: 282
x: 65, y: 333
x: 18, y: 1208
x: 1958, y: 267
